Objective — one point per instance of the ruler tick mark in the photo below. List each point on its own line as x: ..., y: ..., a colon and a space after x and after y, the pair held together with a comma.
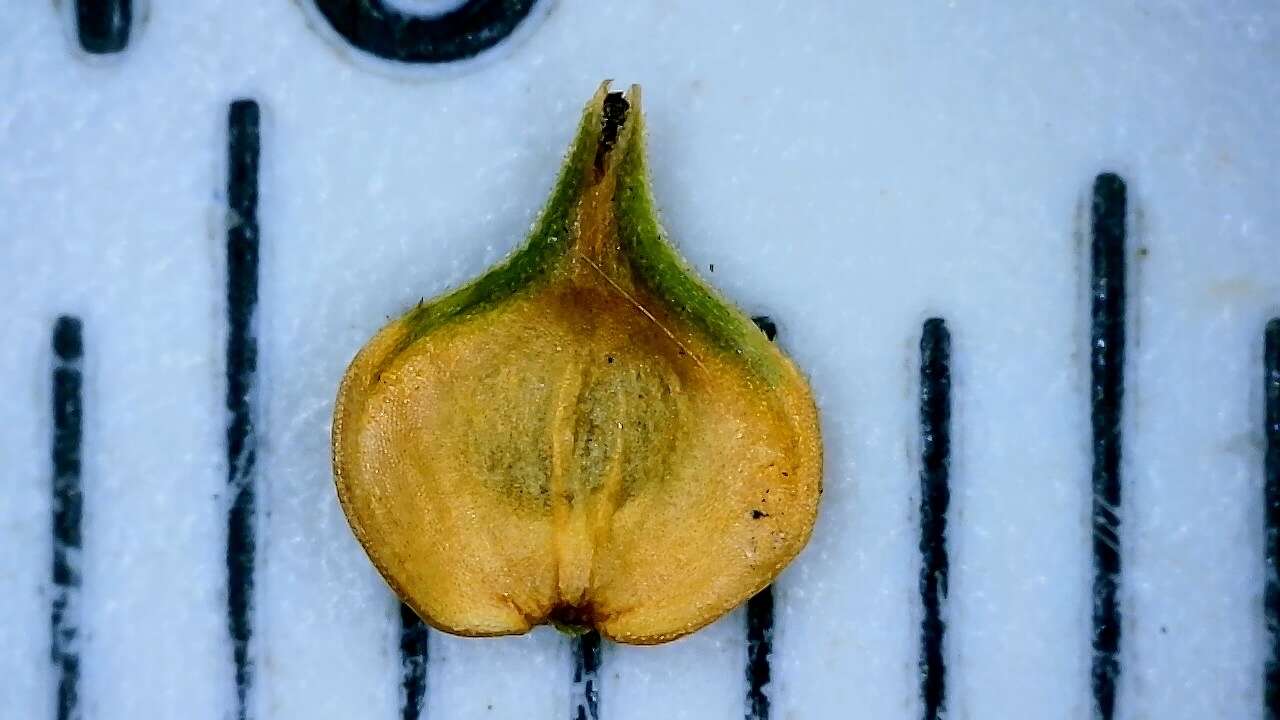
x: 103, y: 26
x: 935, y: 496
x: 243, y: 149
x: 760, y: 616
x: 1107, y: 354
x: 1271, y: 513
x: 68, y: 500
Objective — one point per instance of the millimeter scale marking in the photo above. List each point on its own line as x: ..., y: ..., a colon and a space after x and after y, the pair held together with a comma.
x: 243, y: 149
x: 935, y: 497
x: 67, y: 505
x: 1107, y: 357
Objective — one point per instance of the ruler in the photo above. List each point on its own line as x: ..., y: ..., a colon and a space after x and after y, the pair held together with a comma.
x: 1027, y: 256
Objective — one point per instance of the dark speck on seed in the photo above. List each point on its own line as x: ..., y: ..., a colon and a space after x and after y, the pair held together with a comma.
x: 614, y: 114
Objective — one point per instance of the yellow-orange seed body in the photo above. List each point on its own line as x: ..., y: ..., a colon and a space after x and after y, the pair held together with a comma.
x: 579, y: 451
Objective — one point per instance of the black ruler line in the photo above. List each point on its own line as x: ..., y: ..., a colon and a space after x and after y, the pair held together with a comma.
x: 1107, y: 334
x: 414, y: 641
x: 935, y: 496
x: 68, y: 500
x: 103, y: 26
x: 760, y: 617
x: 242, y: 363
x: 586, y: 677
x: 1271, y: 490
x: 759, y: 649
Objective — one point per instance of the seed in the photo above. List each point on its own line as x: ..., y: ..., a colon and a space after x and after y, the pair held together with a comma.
x: 501, y: 477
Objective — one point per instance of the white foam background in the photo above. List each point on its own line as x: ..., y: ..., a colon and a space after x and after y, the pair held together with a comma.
x: 849, y: 168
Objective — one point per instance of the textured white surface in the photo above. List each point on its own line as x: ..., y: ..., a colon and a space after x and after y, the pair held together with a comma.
x: 849, y: 169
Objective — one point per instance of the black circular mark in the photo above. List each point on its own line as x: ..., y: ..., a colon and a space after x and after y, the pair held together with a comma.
x: 461, y: 33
